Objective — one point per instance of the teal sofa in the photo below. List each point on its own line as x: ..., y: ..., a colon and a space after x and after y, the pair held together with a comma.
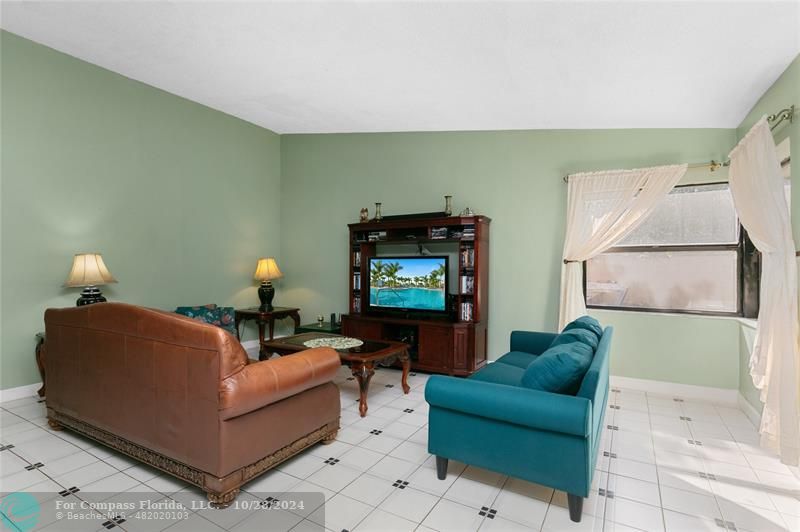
x: 497, y: 420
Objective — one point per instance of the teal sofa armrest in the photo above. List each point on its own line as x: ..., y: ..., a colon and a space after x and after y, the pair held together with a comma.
x: 534, y: 343
x: 530, y: 408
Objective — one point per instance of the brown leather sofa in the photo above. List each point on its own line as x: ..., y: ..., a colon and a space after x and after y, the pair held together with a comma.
x: 181, y: 396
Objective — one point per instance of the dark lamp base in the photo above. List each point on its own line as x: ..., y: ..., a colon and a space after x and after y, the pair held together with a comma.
x: 89, y: 295
x: 265, y: 293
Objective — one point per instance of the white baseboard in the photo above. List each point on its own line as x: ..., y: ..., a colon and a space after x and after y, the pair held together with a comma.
x: 20, y: 392
x: 750, y: 411
x: 722, y: 396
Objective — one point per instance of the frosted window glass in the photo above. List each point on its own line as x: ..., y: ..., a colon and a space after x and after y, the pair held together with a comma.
x: 679, y: 280
x: 702, y: 214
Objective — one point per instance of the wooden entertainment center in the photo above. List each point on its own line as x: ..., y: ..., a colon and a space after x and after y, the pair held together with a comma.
x: 452, y: 343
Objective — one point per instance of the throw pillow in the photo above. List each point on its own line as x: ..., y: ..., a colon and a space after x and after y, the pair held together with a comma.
x: 227, y: 319
x: 585, y: 322
x: 560, y: 369
x: 222, y: 317
x: 577, y: 335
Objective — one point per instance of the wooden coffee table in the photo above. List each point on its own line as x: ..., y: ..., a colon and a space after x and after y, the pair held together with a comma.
x: 361, y: 359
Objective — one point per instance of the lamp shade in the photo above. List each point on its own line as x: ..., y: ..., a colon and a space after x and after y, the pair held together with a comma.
x: 267, y: 269
x: 88, y: 269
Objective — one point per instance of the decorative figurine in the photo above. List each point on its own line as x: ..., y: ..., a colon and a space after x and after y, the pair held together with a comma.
x: 448, y: 205
x: 320, y: 320
x: 467, y: 212
x: 363, y: 215
x: 378, y: 215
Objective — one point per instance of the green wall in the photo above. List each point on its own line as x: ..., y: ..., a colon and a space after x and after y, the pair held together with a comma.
x: 514, y: 177
x: 180, y: 199
x: 783, y: 93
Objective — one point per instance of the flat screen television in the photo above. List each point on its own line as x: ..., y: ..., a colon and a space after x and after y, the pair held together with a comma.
x: 408, y: 283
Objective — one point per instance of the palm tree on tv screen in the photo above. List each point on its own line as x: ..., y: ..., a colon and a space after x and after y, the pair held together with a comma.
x: 391, y: 271
x: 377, y: 273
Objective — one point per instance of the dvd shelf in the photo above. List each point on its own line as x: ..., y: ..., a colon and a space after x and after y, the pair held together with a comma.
x: 467, y: 285
x: 467, y: 257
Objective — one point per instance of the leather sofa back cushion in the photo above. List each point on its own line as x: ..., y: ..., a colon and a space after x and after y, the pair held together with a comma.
x: 585, y: 322
x: 560, y: 369
x: 577, y: 335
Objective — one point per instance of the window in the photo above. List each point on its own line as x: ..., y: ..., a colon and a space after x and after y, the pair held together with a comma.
x: 691, y: 255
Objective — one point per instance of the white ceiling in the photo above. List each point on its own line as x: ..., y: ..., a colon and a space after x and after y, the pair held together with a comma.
x: 380, y: 66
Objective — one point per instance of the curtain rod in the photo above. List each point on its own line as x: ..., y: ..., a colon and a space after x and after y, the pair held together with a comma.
x: 780, y: 116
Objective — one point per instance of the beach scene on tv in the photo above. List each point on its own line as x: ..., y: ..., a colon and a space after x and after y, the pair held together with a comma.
x: 416, y: 283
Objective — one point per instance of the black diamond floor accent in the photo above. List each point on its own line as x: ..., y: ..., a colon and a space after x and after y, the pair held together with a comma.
x: 488, y: 512
x: 68, y: 491
x: 351, y: 378
x: 5, y: 447
x: 271, y: 501
x: 375, y: 431
x: 400, y: 484
x: 390, y: 385
x: 413, y: 374
x: 113, y: 522
x: 31, y: 467
x: 332, y: 461
x: 408, y: 410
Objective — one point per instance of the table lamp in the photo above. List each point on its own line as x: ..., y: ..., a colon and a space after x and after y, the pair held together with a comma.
x: 266, y: 270
x: 89, y: 271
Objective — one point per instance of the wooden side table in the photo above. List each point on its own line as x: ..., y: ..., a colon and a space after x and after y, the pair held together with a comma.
x: 265, y: 319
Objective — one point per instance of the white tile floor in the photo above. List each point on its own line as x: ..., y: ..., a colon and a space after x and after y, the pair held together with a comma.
x: 666, y: 464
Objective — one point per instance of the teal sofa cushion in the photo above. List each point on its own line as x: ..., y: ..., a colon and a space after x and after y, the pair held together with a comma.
x: 499, y: 373
x: 560, y: 369
x: 585, y: 322
x: 222, y: 317
x: 577, y: 335
x: 517, y: 358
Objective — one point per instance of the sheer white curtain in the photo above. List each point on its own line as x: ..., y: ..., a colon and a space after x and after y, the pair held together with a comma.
x: 602, y: 209
x: 758, y: 194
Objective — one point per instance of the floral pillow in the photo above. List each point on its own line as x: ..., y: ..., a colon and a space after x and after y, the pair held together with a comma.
x: 222, y: 317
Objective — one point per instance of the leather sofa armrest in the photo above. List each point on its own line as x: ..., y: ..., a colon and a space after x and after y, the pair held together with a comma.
x: 530, y: 408
x: 534, y: 343
x: 266, y: 382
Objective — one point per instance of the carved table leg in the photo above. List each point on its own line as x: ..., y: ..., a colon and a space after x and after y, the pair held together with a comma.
x: 363, y: 372
x: 55, y: 425
x: 406, y: 368
x: 296, y: 319
x: 40, y: 361
x: 236, y: 321
x: 262, y: 353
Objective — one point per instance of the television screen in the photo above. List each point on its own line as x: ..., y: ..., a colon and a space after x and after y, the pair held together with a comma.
x: 410, y: 283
